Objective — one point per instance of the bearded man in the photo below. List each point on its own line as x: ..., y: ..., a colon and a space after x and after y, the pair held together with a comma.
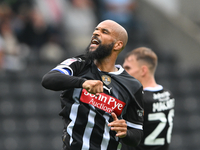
x: 101, y: 103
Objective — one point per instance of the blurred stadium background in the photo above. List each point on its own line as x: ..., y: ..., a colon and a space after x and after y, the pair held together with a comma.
x: 35, y: 35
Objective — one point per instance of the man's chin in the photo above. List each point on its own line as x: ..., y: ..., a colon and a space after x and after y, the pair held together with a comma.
x: 93, y: 48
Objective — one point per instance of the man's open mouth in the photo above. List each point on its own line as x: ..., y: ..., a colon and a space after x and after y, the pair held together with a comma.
x: 95, y: 41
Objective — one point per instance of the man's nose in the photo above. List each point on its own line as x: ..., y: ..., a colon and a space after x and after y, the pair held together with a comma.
x: 96, y: 33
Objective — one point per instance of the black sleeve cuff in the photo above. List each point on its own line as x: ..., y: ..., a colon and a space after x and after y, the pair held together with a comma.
x: 133, y: 137
x: 81, y: 81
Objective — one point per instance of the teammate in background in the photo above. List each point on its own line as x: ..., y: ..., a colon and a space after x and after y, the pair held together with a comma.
x: 101, y: 103
x: 159, y: 103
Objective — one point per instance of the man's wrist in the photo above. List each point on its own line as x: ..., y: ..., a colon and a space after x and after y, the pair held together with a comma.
x: 82, y: 80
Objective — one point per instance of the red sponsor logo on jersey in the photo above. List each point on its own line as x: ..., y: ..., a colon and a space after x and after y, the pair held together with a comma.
x: 103, y: 101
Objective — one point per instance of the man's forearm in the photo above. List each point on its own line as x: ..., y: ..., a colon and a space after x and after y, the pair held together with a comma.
x: 57, y: 81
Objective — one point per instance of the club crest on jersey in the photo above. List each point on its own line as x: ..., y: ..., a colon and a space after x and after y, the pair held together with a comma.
x: 106, y: 79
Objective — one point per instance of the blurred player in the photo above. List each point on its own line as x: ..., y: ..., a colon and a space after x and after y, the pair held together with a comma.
x: 159, y: 103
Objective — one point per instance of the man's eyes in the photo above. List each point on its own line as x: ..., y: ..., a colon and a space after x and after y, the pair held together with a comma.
x: 105, y: 32
x: 126, y: 68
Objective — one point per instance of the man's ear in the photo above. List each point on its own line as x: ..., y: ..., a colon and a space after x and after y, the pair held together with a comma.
x: 118, y: 45
x: 144, y: 70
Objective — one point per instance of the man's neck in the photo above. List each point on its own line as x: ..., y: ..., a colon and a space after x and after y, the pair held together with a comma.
x: 149, y: 82
x: 106, y: 65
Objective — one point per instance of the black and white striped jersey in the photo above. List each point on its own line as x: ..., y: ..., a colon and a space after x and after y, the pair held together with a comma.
x: 158, y: 119
x: 87, y: 116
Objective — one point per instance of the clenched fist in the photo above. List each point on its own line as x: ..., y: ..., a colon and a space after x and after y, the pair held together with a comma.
x: 93, y: 86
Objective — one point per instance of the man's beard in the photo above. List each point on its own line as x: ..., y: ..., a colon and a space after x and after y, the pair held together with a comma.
x: 100, y: 53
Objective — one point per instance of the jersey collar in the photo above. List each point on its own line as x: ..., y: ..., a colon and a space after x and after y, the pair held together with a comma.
x: 120, y: 70
x: 154, y: 89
